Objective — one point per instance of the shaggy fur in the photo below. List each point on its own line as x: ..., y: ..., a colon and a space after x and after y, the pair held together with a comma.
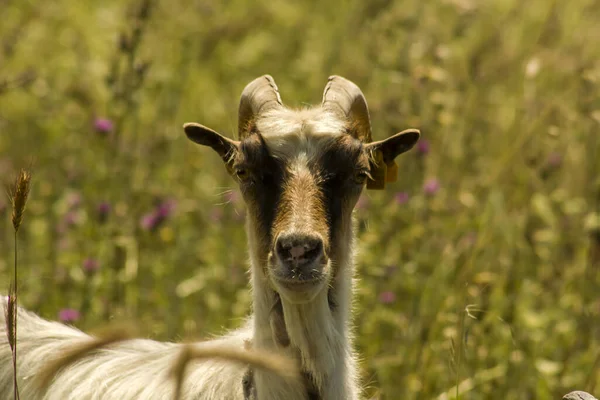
x: 301, y: 173
x: 136, y: 369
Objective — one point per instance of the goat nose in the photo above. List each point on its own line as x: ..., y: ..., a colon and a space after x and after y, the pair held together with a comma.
x: 299, y: 249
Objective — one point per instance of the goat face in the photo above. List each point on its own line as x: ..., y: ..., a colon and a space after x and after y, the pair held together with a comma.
x: 301, y: 173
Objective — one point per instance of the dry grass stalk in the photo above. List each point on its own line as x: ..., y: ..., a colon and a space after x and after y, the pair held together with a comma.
x: 11, y: 331
x: 11, y: 317
x: 18, y: 197
x: 80, y: 351
x: 280, y: 365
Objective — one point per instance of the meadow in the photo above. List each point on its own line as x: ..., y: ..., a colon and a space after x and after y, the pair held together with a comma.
x: 478, y: 271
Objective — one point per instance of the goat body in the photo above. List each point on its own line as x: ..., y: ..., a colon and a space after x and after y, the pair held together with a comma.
x: 300, y: 173
x: 133, y: 369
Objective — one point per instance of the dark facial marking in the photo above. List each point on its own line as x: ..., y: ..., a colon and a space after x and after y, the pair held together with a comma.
x: 262, y: 182
x: 338, y: 166
x: 262, y: 185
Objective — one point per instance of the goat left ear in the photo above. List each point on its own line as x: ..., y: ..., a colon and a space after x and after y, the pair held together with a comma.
x: 384, y: 152
x: 226, y: 148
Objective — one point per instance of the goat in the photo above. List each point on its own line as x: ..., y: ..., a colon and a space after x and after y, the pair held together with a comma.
x: 301, y: 173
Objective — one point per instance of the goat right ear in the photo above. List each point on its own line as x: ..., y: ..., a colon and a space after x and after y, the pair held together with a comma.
x: 384, y: 152
x: 226, y: 148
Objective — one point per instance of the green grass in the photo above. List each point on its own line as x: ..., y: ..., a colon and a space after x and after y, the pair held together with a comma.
x: 494, y: 276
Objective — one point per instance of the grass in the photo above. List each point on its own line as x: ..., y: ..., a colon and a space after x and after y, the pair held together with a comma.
x: 478, y: 269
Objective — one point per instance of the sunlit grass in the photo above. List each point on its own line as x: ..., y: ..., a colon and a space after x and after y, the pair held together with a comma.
x: 477, y: 270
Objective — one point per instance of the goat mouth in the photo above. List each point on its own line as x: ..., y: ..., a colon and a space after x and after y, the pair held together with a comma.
x: 299, y: 291
x: 299, y: 284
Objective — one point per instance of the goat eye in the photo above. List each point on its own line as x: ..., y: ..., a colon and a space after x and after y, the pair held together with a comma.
x: 242, y: 174
x: 361, y: 177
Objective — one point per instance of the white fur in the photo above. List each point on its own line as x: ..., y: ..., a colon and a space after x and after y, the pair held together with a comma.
x: 289, y: 133
x: 136, y: 369
x: 320, y: 339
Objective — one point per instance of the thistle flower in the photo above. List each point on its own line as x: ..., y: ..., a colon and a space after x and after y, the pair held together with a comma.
x: 431, y: 186
x: 423, y: 147
x: 152, y: 220
x: 69, y: 220
x: 554, y: 160
x: 18, y: 197
x: 90, y: 266
x: 165, y: 209
x: 73, y: 200
x: 390, y: 270
x: 103, y: 125
x: 387, y: 297
x: 149, y: 221
x: 470, y: 239
x: 68, y: 315
x: 401, y: 198
x: 103, y: 211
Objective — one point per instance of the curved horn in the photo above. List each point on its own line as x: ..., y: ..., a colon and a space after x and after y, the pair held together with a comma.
x: 258, y: 96
x: 346, y: 99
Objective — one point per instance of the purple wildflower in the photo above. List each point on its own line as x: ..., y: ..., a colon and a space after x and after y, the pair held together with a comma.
x: 431, y: 186
x: 103, y: 125
x: 401, y: 198
x: 103, y: 211
x: 68, y: 315
x: 69, y: 220
x: 90, y: 266
x: 61, y: 276
x: 73, y: 200
x: 165, y: 209
x: 64, y: 243
x: 149, y: 221
x: 153, y: 219
x: 390, y: 270
x: 554, y: 160
x: 423, y: 147
x: 387, y: 297
x: 471, y: 238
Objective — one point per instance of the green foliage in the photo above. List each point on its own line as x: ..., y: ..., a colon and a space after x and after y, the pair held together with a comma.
x: 485, y: 276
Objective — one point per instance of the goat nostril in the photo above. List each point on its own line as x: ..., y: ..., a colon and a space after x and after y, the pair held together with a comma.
x: 299, y: 249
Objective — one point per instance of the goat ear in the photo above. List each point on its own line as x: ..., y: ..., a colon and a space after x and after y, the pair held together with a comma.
x: 384, y: 152
x: 226, y: 148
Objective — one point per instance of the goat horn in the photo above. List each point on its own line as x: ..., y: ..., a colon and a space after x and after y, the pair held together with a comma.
x: 258, y: 96
x: 344, y: 98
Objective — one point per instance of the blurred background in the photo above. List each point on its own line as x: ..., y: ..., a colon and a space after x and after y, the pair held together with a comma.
x: 479, y: 268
